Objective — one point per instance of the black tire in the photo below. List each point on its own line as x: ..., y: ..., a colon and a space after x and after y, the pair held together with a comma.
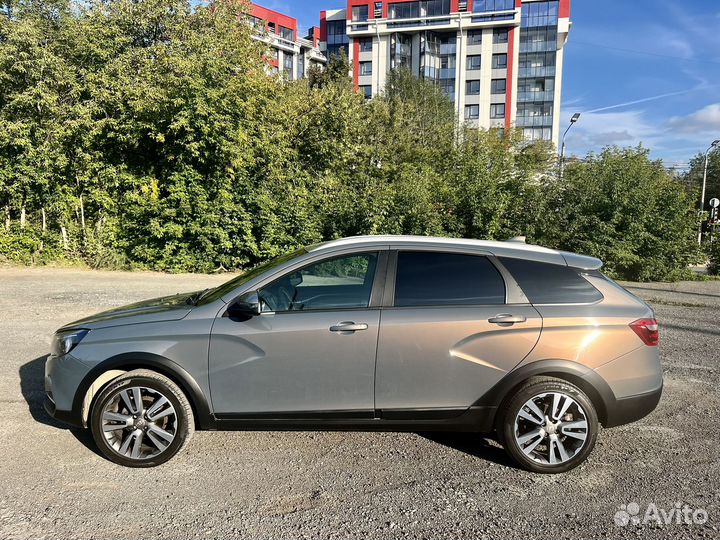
x: 532, y: 389
x: 152, y: 383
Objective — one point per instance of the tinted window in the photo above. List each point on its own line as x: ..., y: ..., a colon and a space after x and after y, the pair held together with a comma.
x: 551, y: 283
x: 339, y: 283
x: 435, y: 279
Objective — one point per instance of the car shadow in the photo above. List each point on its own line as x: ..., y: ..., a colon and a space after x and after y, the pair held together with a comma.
x: 473, y: 444
x: 32, y: 387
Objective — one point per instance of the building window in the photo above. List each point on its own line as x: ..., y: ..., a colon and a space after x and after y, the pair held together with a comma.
x: 493, y: 5
x: 400, y: 51
x: 498, y: 86
x: 288, y: 65
x: 497, y: 110
x: 537, y: 134
x: 500, y: 35
x: 360, y: 14
x: 539, y: 14
x: 365, y: 68
x: 366, y: 44
x: 337, y: 39
x: 537, y: 40
x: 473, y: 62
x: 287, y: 33
x: 488, y: 6
x: 404, y: 10
x: 256, y: 23
x: 499, y: 61
x: 475, y: 37
x: 434, y: 8
x: 472, y: 112
x: 271, y: 28
x: 366, y: 90
x: 472, y: 88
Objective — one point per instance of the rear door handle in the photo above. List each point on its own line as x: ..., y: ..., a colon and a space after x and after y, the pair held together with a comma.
x: 506, y: 318
x: 348, y: 326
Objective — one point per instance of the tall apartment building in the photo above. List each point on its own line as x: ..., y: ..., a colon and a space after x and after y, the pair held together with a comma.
x: 500, y: 61
x: 290, y: 53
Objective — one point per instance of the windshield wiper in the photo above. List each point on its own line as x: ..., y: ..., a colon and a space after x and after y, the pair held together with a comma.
x: 193, y: 299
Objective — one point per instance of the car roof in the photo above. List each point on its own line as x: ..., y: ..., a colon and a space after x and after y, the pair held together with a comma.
x: 514, y: 248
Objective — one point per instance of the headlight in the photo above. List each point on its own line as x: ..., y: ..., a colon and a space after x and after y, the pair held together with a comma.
x: 64, y: 342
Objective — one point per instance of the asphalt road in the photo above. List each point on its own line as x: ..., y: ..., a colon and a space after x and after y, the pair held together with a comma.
x: 347, y: 485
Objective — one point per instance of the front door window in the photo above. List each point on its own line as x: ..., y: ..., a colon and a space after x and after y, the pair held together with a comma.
x: 340, y: 283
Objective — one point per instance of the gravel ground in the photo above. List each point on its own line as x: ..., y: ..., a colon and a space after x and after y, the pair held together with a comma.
x: 359, y: 485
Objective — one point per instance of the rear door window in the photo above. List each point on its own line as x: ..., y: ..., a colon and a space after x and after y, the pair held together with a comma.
x: 545, y: 283
x: 433, y: 278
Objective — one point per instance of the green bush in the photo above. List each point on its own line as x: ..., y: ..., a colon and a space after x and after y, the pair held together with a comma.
x: 713, y: 254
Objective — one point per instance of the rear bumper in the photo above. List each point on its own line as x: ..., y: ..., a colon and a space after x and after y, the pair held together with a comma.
x: 632, y: 408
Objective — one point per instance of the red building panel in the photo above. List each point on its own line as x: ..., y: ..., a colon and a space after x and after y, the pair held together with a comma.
x: 510, y: 78
x: 270, y: 16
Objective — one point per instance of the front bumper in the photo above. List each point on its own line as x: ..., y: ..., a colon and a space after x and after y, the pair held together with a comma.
x: 68, y: 417
x: 63, y: 375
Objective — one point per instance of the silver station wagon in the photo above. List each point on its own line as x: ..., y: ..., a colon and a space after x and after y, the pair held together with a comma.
x: 398, y: 333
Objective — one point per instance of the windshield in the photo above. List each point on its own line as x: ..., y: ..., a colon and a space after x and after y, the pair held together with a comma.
x: 226, y: 288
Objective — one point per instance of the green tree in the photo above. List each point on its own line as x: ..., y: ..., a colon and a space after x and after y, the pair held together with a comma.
x: 627, y: 210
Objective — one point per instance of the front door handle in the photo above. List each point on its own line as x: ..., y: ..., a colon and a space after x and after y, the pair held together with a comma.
x: 348, y: 326
x: 506, y: 318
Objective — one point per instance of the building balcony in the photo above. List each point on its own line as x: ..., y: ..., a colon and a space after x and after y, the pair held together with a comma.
x: 538, y: 46
x: 547, y: 95
x: 451, y: 21
x: 533, y: 72
x: 533, y: 121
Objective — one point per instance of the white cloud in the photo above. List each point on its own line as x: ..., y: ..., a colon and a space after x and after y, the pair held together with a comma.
x: 705, y: 120
x: 596, y: 130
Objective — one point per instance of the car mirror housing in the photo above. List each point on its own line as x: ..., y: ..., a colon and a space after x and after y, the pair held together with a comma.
x: 244, y: 308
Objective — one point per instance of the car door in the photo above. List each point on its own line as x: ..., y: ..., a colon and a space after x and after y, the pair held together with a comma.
x: 311, y: 351
x: 447, y: 333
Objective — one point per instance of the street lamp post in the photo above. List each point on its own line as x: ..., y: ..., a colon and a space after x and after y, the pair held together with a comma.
x: 714, y: 144
x: 575, y: 118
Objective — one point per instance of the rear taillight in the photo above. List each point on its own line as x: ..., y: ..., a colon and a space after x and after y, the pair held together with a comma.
x: 647, y: 330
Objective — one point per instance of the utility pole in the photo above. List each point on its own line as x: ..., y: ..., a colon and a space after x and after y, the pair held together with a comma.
x: 704, y: 184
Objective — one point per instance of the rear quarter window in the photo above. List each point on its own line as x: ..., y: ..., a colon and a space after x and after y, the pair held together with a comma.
x: 545, y: 283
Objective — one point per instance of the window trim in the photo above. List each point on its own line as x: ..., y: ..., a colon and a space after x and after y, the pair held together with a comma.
x: 513, y: 292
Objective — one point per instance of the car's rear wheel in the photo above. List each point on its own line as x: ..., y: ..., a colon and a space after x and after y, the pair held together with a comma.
x: 141, y: 419
x: 548, y: 425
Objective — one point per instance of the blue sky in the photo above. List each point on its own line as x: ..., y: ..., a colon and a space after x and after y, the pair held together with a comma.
x: 622, y: 52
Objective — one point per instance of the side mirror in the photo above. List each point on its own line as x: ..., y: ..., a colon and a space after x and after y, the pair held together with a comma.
x: 244, y: 308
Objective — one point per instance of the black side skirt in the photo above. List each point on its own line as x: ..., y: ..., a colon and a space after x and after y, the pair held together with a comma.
x: 475, y: 419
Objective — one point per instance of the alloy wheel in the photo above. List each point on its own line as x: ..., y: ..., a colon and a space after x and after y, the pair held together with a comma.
x: 551, y: 428
x: 139, y: 422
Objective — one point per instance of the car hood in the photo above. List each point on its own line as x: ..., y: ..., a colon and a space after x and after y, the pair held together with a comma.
x: 165, y: 308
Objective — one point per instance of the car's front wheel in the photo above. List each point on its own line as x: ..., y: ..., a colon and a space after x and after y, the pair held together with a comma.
x: 548, y: 425
x: 141, y: 419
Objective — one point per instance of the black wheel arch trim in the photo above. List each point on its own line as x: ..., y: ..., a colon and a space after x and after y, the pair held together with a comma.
x: 592, y: 384
x: 154, y: 362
